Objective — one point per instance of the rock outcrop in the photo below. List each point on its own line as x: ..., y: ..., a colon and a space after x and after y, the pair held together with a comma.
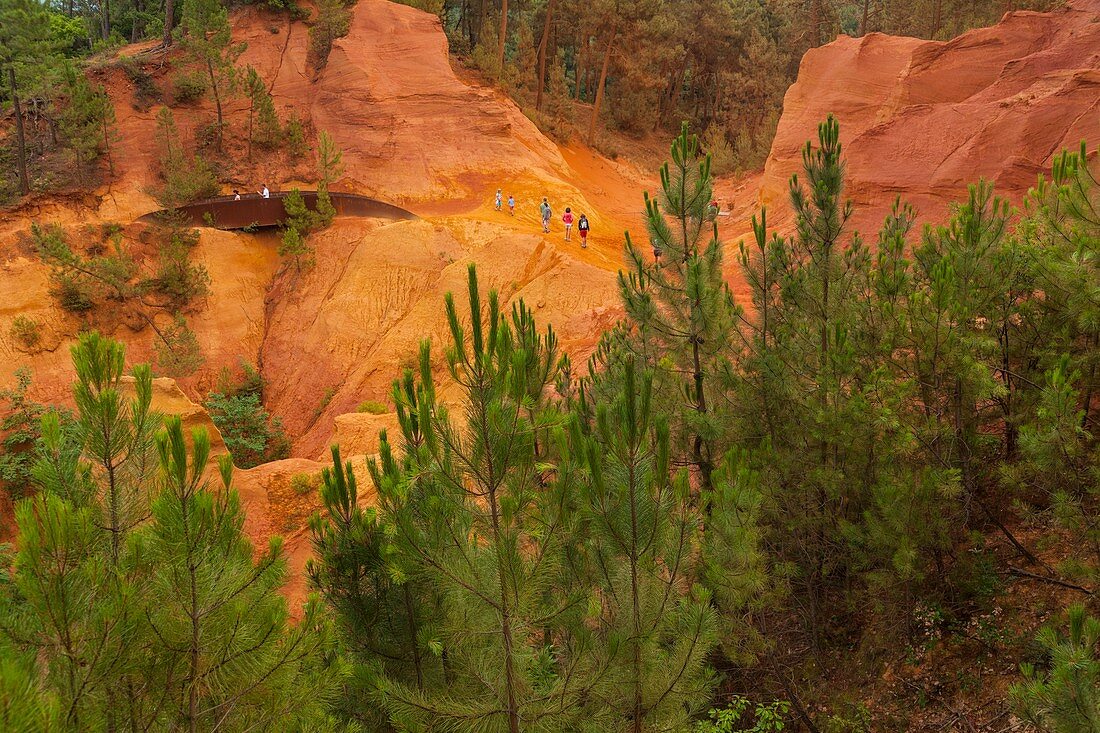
x: 923, y: 119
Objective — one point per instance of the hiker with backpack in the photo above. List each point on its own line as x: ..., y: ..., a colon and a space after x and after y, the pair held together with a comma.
x: 544, y: 207
x: 582, y: 227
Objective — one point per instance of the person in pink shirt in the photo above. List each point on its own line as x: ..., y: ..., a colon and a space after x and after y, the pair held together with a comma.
x: 567, y: 219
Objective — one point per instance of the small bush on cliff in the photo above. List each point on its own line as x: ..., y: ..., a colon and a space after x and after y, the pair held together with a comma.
x: 27, y: 332
x: 250, y: 433
x: 333, y: 21
x: 304, y: 483
x: 372, y: 407
x: 250, y: 381
x: 178, y: 278
x: 188, y: 86
x: 177, y: 350
x: 146, y: 93
x: 186, y: 179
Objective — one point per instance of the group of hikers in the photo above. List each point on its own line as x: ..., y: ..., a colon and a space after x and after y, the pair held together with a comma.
x: 583, y: 226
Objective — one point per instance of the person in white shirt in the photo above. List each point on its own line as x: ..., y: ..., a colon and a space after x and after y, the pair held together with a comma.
x: 236, y: 195
x: 265, y: 192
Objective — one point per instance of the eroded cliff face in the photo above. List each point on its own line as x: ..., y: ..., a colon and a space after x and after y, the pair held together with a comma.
x: 331, y: 336
x: 923, y: 119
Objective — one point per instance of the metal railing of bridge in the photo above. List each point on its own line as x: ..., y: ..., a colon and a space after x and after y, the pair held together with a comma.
x: 253, y: 211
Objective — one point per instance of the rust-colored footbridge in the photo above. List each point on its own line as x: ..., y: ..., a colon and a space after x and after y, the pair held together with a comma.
x: 253, y: 211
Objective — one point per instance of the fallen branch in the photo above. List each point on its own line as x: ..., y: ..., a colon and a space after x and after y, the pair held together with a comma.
x: 1021, y: 573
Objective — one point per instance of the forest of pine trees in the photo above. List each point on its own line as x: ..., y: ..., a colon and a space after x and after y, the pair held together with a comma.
x: 682, y: 536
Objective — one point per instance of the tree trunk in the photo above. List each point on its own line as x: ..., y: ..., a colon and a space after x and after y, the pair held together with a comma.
x: 20, y: 139
x: 542, y: 54
x: 105, y: 20
x: 603, y: 81
x: 937, y: 18
x: 503, y: 35
x: 582, y: 69
x: 169, y: 19
x: 217, y: 99
x: 505, y: 621
x: 863, y: 21
x: 639, y: 712
x: 816, y: 21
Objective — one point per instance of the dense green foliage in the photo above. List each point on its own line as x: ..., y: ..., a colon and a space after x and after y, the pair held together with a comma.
x: 133, y: 601
x: 1064, y: 698
x: 824, y: 458
x: 251, y: 434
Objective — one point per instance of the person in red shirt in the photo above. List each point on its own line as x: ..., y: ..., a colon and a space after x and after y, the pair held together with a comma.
x: 582, y: 227
x: 567, y: 219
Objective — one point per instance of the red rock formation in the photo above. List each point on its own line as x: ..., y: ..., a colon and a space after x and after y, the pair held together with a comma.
x: 922, y: 119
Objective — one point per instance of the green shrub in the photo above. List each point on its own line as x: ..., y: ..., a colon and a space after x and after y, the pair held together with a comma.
x: 80, y: 282
x: 74, y: 293
x: 188, y: 181
x: 303, y: 483
x: 20, y: 429
x: 186, y: 178
x: 206, y: 135
x: 333, y: 21
x: 326, y: 399
x: 146, y: 93
x: 295, y: 134
x: 177, y: 278
x: 26, y: 331
x: 741, y: 712
x: 372, y: 407
x: 251, y: 382
x: 251, y: 434
x: 177, y: 350
x: 1063, y: 694
x: 188, y: 86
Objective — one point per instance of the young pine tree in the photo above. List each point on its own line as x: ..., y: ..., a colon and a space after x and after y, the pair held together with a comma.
x: 78, y: 585
x: 206, y: 37
x: 219, y: 622
x: 476, y: 515
x: 680, y: 313
x: 656, y: 624
x: 329, y: 168
x: 1064, y: 698
x: 384, y: 603
x: 85, y: 122
x: 268, y: 131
